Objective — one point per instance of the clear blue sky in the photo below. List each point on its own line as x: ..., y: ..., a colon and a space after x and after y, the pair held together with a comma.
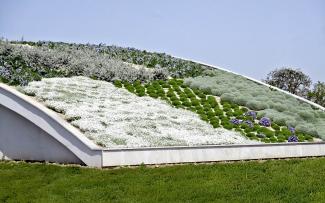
x: 251, y: 37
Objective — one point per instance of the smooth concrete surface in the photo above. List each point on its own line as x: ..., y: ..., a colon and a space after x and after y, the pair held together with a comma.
x: 172, y: 155
x: 20, y: 139
x: 30, y: 131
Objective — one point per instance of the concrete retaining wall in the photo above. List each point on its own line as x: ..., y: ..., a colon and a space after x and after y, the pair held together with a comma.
x: 172, y: 155
x: 30, y: 131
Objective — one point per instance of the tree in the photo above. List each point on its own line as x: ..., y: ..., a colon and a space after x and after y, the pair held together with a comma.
x: 317, y: 95
x: 291, y: 80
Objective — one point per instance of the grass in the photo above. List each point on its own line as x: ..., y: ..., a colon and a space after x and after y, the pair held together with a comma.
x: 295, y: 180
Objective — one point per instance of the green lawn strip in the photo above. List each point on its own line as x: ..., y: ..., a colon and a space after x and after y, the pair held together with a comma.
x: 271, y: 181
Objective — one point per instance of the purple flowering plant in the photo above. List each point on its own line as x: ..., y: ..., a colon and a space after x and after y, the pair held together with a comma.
x: 265, y: 122
x: 251, y: 113
x: 236, y: 121
x: 293, y: 138
x: 249, y: 123
x: 292, y: 130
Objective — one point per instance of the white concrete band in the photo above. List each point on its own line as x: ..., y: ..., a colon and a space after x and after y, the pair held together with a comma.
x: 173, y: 155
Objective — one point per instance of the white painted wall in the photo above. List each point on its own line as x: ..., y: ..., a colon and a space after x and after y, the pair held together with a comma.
x: 210, y: 153
x: 20, y: 139
x: 30, y: 131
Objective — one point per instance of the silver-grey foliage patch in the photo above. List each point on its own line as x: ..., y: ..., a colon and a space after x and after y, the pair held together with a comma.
x: 70, y: 61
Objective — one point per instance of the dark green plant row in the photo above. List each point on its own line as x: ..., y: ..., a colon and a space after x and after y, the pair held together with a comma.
x: 218, y: 114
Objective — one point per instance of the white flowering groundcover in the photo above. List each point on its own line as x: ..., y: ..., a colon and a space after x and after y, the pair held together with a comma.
x: 116, y: 118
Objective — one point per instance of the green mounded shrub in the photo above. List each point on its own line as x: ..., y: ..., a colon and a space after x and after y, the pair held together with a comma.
x: 187, y: 90
x: 210, y: 113
x: 225, y: 104
x: 203, y: 101
x: 161, y: 82
x: 171, y: 94
x: 216, y: 125
x: 248, y: 130
x: 308, y: 137
x: 267, y: 132
x: 266, y: 140
x: 281, y: 137
x: 186, y: 103
x: 178, y: 90
x: 137, y: 83
x: 204, y: 117
x: 130, y: 88
x: 229, y: 113
x: 285, y: 131
x: 273, y: 139
x: 244, y: 109
x: 176, y: 103
x: 238, y: 113
x: 234, y: 106
x: 182, y: 94
x: 250, y: 135
x: 256, y: 127
x: 174, y: 98
x: 228, y: 126
x: 195, y: 102
x: 153, y: 95
x: 201, y: 111
x: 275, y: 126
x: 166, y: 85
x: 172, y: 82
x: 301, y: 138
x: 191, y: 96
x: 161, y: 94
x: 218, y: 112
x: 179, y: 81
x: 214, y: 119
x: 118, y: 83
x: 193, y: 109
x: 201, y: 95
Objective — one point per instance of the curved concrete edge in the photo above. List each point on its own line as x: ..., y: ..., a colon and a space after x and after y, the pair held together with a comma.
x: 256, y: 81
x: 51, y: 123
x: 176, y: 155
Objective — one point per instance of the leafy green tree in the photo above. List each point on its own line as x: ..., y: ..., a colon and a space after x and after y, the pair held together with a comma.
x: 317, y: 95
x: 291, y: 80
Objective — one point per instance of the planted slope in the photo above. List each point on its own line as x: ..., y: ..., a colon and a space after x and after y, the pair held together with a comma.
x: 117, y: 118
x: 282, y: 109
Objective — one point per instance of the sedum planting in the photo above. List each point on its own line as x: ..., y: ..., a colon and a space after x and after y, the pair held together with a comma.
x: 115, y: 118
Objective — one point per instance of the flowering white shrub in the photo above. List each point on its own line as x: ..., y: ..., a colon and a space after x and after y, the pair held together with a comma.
x: 281, y: 108
x: 117, y: 118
